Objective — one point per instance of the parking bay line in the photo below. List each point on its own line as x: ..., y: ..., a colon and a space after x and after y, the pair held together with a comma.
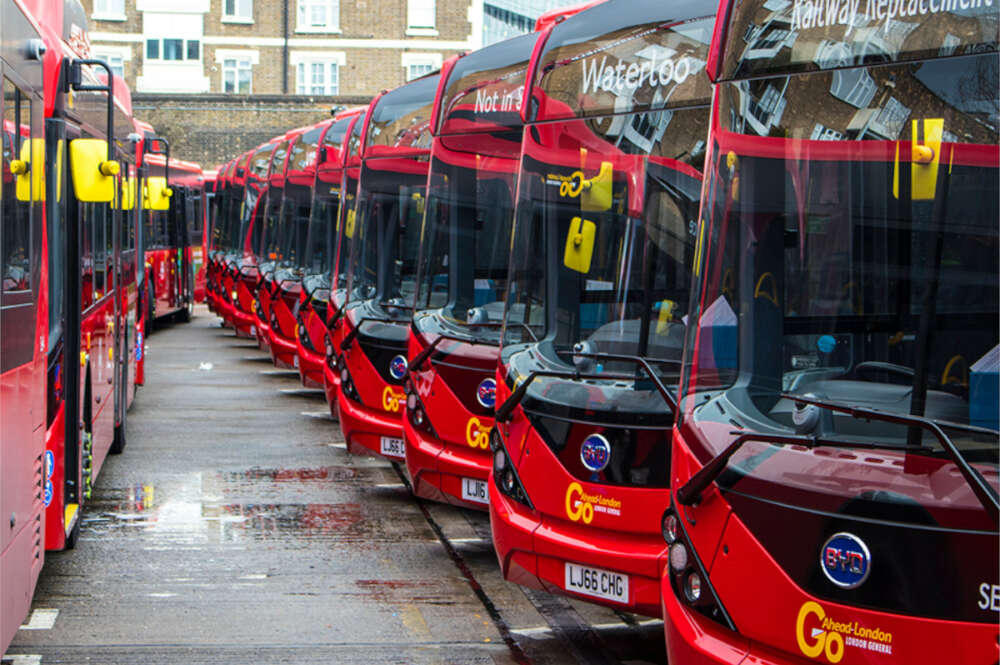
x: 41, y: 619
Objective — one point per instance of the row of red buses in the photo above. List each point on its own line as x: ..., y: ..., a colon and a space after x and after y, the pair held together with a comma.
x: 699, y: 305
x: 74, y: 192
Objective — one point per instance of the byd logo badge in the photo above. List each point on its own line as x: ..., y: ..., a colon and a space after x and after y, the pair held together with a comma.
x: 595, y: 453
x: 845, y: 560
x: 397, y: 367
x: 486, y: 393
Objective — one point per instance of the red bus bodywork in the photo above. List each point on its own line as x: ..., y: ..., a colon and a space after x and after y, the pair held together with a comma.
x: 579, y: 479
x: 312, y: 338
x: 95, y: 352
x: 472, y: 187
x: 374, y: 323
x: 24, y: 331
x: 346, y: 174
x: 808, y: 470
x: 169, y: 252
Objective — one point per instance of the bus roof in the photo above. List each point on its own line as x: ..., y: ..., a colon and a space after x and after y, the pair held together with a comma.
x: 484, y: 89
x: 399, y: 120
x: 624, y: 56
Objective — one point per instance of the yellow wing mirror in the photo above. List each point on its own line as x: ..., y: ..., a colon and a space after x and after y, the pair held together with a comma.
x: 596, y: 195
x: 580, y: 245
x: 156, y: 194
x: 93, y: 174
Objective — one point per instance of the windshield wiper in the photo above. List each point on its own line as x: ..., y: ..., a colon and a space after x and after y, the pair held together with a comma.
x: 419, y: 359
x: 690, y: 492
x: 503, y: 413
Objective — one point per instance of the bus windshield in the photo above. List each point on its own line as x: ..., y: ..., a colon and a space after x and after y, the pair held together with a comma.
x: 466, y: 240
x: 850, y: 257
x: 385, y: 232
x: 607, y: 278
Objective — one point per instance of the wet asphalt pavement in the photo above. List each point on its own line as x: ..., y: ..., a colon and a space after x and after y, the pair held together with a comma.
x: 236, y: 528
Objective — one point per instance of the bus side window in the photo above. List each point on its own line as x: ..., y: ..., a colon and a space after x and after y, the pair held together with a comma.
x: 15, y: 251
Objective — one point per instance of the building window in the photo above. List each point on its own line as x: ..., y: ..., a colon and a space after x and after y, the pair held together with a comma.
x: 319, y: 15
x: 115, y: 62
x: 237, y: 75
x: 317, y: 78
x: 417, y: 70
x: 416, y: 65
x: 109, y: 10
x: 421, y: 14
x: 175, y: 50
x: 237, y: 10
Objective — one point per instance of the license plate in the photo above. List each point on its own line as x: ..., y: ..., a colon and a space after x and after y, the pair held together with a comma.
x: 295, y: 362
x: 475, y: 490
x: 393, y: 447
x: 597, y: 582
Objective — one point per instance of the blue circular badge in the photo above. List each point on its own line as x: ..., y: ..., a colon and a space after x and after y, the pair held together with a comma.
x: 595, y: 453
x: 845, y: 560
x: 48, y: 493
x: 486, y: 393
x: 50, y: 463
x: 397, y: 367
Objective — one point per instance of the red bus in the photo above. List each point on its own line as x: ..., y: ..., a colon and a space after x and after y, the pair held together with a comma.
x: 462, y: 274
x: 599, y: 278
x: 346, y: 175
x: 244, y: 272
x: 172, y: 228
x: 318, y: 264
x: 201, y: 238
x: 288, y: 204
x: 835, y: 462
x: 92, y: 235
x: 214, y: 252
x: 24, y: 317
x: 229, y: 243
x: 381, y: 267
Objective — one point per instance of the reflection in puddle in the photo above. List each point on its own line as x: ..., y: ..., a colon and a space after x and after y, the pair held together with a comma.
x: 194, y: 509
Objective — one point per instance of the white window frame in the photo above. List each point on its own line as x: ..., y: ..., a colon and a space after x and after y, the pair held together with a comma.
x: 332, y: 25
x: 416, y: 13
x: 107, y: 12
x: 410, y: 60
x: 302, y: 62
x: 222, y: 55
x: 109, y: 52
x: 237, y: 17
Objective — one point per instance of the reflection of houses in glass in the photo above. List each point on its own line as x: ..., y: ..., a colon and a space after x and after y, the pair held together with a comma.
x: 763, y: 113
x: 774, y: 34
x: 645, y: 130
x: 881, y: 123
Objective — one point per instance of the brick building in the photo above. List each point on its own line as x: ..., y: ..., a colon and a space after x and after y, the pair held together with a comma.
x: 220, y: 76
